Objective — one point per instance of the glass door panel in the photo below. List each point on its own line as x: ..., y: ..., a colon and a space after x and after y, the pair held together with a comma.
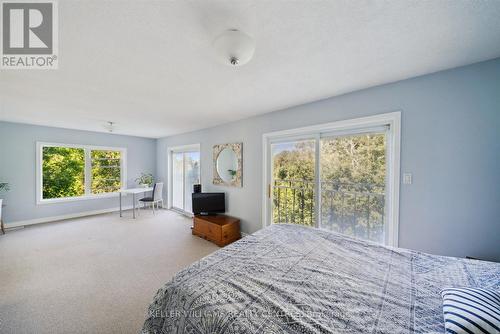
x: 293, y: 182
x: 353, y: 185
x: 192, y: 176
x: 178, y: 180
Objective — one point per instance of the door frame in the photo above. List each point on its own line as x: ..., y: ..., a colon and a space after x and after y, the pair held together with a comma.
x: 391, y: 119
x: 175, y: 149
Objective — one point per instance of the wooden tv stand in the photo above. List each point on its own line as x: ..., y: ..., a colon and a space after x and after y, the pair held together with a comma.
x: 220, y: 229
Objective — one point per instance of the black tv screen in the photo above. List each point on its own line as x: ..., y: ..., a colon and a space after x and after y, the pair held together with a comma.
x: 208, y: 203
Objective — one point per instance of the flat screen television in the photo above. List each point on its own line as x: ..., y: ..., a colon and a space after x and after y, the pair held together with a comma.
x: 208, y: 203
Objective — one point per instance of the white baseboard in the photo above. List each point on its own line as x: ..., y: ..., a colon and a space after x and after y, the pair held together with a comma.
x: 42, y: 220
x: 181, y: 212
x: 11, y: 229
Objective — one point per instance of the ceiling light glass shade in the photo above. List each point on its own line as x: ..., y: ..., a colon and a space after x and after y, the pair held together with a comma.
x: 110, y: 126
x: 234, y: 47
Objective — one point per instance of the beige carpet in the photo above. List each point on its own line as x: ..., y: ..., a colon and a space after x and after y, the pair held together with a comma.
x: 91, y: 275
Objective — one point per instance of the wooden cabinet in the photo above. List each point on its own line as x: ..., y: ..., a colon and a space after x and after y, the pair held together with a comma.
x: 220, y: 229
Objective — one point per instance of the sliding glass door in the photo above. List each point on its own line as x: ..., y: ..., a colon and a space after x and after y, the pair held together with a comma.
x: 334, y: 180
x: 185, y: 173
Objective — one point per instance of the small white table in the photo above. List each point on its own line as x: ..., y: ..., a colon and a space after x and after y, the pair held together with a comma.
x: 132, y: 191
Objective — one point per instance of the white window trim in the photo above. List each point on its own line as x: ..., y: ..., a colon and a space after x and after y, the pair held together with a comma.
x: 39, y: 182
x: 392, y: 119
x: 170, y: 150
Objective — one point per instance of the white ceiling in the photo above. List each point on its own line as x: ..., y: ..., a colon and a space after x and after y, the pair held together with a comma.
x: 149, y: 65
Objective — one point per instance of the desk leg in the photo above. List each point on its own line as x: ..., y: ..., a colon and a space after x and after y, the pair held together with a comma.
x: 1, y: 225
x: 120, y: 204
x: 133, y: 205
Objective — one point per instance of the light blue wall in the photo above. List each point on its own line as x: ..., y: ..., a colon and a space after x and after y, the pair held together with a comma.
x: 18, y: 167
x: 450, y: 142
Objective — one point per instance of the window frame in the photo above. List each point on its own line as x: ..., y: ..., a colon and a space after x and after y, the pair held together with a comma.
x: 87, y: 170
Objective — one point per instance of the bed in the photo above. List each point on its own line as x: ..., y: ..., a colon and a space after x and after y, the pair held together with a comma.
x: 295, y: 279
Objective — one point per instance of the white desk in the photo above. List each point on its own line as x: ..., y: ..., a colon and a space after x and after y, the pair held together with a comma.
x: 132, y: 191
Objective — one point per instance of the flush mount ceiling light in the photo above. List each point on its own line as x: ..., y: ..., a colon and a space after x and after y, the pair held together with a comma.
x: 234, y: 47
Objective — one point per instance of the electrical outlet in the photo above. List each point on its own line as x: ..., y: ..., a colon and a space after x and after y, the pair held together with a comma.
x: 407, y: 178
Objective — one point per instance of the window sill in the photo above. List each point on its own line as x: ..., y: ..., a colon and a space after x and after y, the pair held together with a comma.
x: 75, y: 199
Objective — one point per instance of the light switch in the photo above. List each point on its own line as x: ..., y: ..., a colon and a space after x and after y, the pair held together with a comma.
x: 407, y: 178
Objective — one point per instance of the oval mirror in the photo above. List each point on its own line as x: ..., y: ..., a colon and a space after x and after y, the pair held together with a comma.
x: 227, y: 165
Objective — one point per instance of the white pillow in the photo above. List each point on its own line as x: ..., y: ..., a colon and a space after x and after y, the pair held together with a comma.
x: 471, y: 310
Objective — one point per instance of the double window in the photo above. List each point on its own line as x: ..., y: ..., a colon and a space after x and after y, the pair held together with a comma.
x: 71, y: 172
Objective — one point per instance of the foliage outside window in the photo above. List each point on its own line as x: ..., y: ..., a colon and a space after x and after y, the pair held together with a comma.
x: 69, y: 172
x: 63, y: 172
x: 106, y: 171
x: 293, y: 175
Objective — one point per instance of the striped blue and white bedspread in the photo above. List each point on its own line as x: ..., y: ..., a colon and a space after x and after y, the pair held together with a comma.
x: 294, y: 279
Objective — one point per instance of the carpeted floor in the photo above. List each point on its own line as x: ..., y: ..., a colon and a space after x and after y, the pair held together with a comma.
x: 91, y: 275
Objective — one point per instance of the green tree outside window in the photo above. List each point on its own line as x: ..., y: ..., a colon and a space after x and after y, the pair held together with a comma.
x: 63, y: 172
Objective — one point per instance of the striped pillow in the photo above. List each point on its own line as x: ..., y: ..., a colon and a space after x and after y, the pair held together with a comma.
x: 471, y: 310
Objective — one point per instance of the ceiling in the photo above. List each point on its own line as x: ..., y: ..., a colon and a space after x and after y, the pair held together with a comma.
x: 150, y: 67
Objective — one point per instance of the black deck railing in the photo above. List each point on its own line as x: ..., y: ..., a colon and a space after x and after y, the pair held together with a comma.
x: 351, y: 208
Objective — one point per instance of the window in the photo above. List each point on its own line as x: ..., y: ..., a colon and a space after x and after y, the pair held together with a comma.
x: 63, y: 172
x: 72, y: 172
x: 106, y: 171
